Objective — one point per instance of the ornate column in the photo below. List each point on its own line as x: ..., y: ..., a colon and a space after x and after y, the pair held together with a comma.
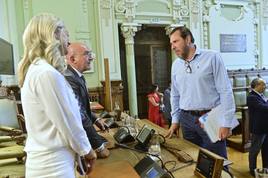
x: 128, y: 31
x: 206, y: 20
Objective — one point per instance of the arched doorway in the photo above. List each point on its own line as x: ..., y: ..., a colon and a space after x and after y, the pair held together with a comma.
x: 152, y: 61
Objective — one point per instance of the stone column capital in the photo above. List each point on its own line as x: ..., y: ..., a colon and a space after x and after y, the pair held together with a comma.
x: 128, y: 30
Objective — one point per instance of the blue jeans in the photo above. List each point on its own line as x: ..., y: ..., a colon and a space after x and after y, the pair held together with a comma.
x: 258, y: 142
x: 194, y: 133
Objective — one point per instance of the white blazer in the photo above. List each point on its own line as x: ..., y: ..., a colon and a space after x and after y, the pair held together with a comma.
x: 52, y: 115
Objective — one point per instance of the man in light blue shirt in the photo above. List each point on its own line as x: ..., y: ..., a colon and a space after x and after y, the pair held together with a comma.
x: 199, y: 82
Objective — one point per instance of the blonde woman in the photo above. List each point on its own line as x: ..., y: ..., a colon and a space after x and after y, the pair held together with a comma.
x: 53, y: 121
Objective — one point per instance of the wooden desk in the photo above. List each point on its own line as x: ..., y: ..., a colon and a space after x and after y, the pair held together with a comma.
x: 133, y: 157
x: 114, y: 170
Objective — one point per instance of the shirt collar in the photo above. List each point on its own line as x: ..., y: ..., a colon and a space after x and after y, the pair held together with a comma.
x: 79, y: 73
x: 257, y: 92
x: 196, y: 53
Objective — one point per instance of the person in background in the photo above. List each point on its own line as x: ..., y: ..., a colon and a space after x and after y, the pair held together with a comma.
x: 167, y: 105
x: 52, y: 116
x: 258, y: 123
x: 79, y: 59
x: 199, y: 82
x: 154, y: 100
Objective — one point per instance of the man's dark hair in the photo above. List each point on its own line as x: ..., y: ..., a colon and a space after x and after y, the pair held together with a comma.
x: 184, y: 31
x: 255, y: 82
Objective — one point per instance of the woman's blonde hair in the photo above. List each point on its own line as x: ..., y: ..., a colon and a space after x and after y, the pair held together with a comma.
x: 39, y: 40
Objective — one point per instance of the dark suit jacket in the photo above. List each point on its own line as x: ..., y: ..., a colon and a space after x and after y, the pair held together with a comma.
x: 258, y: 113
x: 88, y: 117
x: 166, y: 101
x: 80, y: 91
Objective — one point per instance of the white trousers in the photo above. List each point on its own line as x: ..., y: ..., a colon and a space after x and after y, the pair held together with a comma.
x: 50, y: 164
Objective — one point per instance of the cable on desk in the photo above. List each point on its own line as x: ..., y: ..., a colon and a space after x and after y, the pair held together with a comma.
x: 163, y: 139
x: 169, y: 162
x: 179, y: 154
x: 184, y: 166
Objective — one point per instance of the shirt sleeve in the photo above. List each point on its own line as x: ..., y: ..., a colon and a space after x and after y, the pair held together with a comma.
x: 224, y: 88
x: 62, y: 109
x: 174, y: 96
x: 93, y: 117
x: 84, y: 111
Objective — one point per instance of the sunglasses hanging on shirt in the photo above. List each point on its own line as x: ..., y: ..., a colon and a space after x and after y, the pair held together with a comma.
x: 188, y: 68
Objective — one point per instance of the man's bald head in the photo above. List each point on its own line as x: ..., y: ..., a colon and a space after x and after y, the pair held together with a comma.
x: 79, y: 56
x: 258, y: 84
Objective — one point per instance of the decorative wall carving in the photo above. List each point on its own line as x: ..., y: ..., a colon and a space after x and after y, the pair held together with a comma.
x: 257, y: 36
x: 84, y: 6
x: 27, y: 10
x: 176, y: 11
x: 195, y: 12
x: 255, y: 7
x: 195, y: 7
x: 184, y: 11
x: 206, y: 6
x: 106, y: 6
x: 130, y: 10
x: 82, y: 32
x: 265, y: 13
x: 120, y: 6
x: 26, y: 4
x: 127, y: 8
x: 180, y: 11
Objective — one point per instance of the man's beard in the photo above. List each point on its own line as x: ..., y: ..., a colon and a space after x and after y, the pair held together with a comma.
x: 185, y: 53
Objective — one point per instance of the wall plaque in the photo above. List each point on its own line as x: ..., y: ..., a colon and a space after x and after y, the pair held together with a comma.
x: 232, y: 43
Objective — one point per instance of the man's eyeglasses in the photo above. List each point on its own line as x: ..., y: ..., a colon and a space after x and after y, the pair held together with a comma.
x: 188, y: 68
x: 90, y: 54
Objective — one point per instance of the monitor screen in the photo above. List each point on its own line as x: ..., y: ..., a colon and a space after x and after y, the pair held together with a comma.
x: 143, y: 135
x: 205, y: 164
x: 6, y: 58
x: 152, y: 173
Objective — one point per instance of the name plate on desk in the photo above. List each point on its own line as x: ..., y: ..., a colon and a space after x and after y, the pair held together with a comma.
x: 209, y: 165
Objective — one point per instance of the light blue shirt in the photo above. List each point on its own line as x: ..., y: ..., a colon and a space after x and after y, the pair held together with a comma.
x: 204, y: 88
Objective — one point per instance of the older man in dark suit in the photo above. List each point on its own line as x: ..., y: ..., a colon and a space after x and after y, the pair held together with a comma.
x: 79, y: 59
x: 258, y: 123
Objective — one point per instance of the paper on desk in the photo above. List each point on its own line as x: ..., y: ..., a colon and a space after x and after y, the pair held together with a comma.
x: 213, y: 120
